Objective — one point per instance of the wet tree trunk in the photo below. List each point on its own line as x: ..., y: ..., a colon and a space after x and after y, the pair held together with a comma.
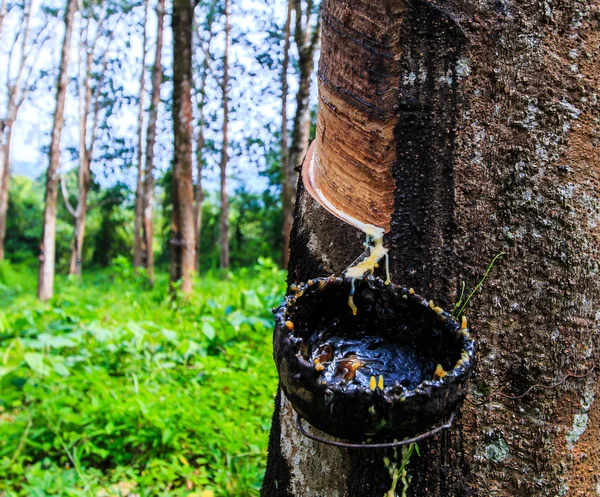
x: 157, y: 75
x: 306, y: 35
x: 183, y: 239
x: 48, y: 242
x: 139, y: 188
x: 224, y: 215
x: 489, y: 115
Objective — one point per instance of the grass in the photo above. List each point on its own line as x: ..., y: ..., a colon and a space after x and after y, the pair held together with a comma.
x: 112, y: 389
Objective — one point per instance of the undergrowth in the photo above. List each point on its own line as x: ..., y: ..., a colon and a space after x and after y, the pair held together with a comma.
x: 113, y: 389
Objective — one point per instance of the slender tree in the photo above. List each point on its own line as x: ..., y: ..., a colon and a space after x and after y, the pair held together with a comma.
x: 22, y: 56
x: 285, y: 169
x: 139, y: 189
x: 157, y: 75
x: 224, y: 215
x: 307, y: 32
x: 183, y: 240
x: 48, y: 242
x: 465, y: 129
x: 90, y: 109
x: 200, y: 139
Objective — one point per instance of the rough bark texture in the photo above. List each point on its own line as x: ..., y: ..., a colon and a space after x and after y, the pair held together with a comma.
x: 138, y: 238
x: 224, y: 216
x: 183, y: 240
x: 307, y: 32
x: 286, y: 196
x: 157, y: 75
x: 48, y: 242
x: 495, y: 140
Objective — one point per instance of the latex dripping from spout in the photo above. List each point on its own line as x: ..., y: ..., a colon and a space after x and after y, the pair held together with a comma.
x: 374, y: 235
x: 374, y: 244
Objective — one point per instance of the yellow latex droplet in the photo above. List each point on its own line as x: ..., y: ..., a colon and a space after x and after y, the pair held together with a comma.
x: 463, y: 323
x: 439, y: 372
x: 373, y: 383
x: 380, y: 382
x: 351, y: 304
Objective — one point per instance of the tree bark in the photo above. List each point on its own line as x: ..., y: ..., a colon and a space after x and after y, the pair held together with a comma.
x: 139, y: 188
x: 286, y: 196
x: 4, y: 184
x: 224, y: 216
x: 183, y: 240
x: 48, y: 242
x: 484, y: 116
x: 307, y: 38
x: 157, y: 75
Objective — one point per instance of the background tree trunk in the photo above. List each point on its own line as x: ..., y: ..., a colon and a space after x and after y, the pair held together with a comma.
x: 489, y: 114
x: 139, y: 188
x: 15, y: 95
x: 285, y: 194
x: 183, y: 241
x: 4, y: 186
x: 87, y: 140
x: 48, y: 242
x: 224, y: 216
x: 307, y: 38
x: 83, y: 182
x: 200, y: 140
x: 157, y: 75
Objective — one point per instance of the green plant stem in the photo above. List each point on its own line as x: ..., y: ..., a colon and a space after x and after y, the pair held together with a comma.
x: 489, y: 268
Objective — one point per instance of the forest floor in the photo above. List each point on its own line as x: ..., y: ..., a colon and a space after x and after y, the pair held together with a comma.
x: 111, y: 389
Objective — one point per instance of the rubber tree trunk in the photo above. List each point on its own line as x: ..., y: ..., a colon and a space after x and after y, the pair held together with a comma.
x: 183, y: 240
x: 138, y: 238
x: 4, y: 184
x: 84, y: 181
x: 48, y: 242
x: 489, y: 115
x: 285, y: 169
x: 224, y: 214
x: 200, y: 138
x: 307, y: 38
x: 157, y: 75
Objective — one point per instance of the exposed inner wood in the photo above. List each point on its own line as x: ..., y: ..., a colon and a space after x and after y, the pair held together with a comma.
x: 355, y: 149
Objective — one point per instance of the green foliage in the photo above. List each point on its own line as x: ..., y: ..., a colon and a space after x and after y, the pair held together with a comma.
x: 255, y: 225
x: 111, y: 383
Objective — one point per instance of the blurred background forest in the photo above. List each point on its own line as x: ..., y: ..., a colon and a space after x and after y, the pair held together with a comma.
x: 109, y: 101
x: 147, y: 183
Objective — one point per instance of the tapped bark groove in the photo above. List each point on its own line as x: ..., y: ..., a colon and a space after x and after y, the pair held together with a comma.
x: 494, y: 136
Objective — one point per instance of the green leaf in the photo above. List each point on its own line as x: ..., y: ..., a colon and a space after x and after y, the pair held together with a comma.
x: 208, y: 330
x: 35, y: 361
